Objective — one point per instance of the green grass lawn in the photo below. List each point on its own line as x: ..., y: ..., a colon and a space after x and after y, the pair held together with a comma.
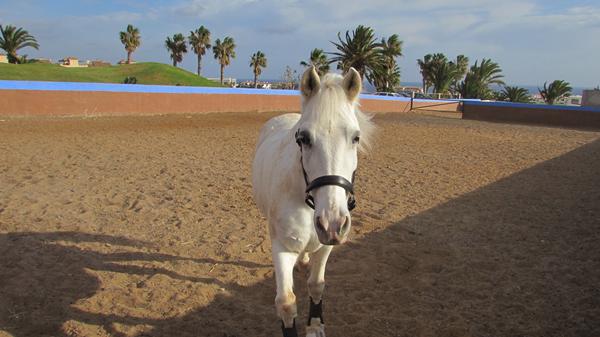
x: 146, y: 73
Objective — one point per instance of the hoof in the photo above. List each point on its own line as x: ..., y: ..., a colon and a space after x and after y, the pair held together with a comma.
x: 289, y: 332
x: 316, y: 328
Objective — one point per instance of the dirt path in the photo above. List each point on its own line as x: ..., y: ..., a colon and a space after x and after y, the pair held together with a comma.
x: 130, y: 226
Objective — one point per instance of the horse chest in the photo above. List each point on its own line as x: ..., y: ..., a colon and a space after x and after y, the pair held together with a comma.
x: 298, y: 237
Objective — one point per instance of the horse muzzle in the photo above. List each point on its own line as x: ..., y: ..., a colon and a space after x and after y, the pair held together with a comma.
x: 332, y: 230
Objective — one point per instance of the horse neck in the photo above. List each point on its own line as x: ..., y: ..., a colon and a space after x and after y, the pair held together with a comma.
x: 294, y: 177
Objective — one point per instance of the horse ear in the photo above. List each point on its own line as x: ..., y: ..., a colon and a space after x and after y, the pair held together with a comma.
x: 310, y: 83
x: 352, y: 84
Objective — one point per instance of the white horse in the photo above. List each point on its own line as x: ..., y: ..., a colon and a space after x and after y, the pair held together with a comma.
x: 303, y: 162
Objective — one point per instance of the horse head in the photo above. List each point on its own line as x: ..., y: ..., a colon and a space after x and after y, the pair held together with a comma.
x: 329, y: 135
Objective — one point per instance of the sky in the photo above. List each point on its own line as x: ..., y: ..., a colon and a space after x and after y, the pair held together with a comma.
x: 533, y: 41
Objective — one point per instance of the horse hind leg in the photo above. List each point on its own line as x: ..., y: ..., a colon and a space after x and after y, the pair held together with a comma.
x: 316, y: 285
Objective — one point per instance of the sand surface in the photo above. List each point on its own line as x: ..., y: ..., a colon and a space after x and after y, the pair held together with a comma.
x: 145, y: 226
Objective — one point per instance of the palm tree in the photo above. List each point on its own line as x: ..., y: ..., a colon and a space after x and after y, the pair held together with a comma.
x: 440, y: 72
x: 13, y: 39
x: 391, y: 48
x: 177, y: 47
x: 514, y: 94
x: 200, y: 42
x: 385, y: 79
x: 462, y: 62
x: 359, y: 50
x: 131, y: 39
x: 479, y: 78
x: 224, y: 52
x: 488, y: 72
x: 388, y: 75
x: 319, y: 60
x: 425, y: 67
x: 443, y: 75
x: 257, y: 62
x: 556, y: 90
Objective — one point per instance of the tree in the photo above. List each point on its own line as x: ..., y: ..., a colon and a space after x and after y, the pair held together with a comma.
x: 257, y: 62
x: 514, y: 94
x: 130, y: 80
x: 200, y: 42
x: 359, y: 50
x: 425, y: 67
x: 386, y: 77
x: 391, y: 49
x: 556, y: 90
x: 176, y: 47
x: 131, y: 39
x: 479, y: 78
x: 319, y: 60
x: 289, y: 77
x: 224, y: 52
x: 13, y: 39
x: 440, y: 73
x: 462, y: 64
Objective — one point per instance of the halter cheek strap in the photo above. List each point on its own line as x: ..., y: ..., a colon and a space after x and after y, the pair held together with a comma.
x: 324, y: 181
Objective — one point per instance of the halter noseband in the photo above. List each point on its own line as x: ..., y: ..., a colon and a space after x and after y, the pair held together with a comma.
x: 324, y: 181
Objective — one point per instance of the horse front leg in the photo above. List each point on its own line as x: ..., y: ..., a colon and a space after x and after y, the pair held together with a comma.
x: 285, y: 301
x: 316, y: 285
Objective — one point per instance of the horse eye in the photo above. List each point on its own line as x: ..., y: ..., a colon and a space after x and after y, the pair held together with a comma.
x: 305, y: 140
x: 356, y: 140
x: 302, y: 138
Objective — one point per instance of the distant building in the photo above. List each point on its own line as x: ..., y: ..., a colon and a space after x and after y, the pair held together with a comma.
x: 591, y: 98
x: 98, y: 63
x: 410, y: 89
x: 230, y: 81
x: 570, y: 100
x: 250, y: 84
x: 71, y: 62
x: 3, y: 58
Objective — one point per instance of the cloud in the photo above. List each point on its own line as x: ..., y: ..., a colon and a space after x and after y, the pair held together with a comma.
x: 530, y: 39
x: 288, y: 30
x: 203, y: 8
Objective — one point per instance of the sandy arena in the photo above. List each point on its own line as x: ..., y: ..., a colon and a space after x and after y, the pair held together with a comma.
x: 145, y: 226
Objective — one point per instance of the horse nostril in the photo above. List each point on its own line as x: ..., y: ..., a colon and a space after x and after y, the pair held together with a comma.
x: 320, y: 225
x: 345, y: 225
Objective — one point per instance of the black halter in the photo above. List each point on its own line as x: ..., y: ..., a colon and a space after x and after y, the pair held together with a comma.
x: 324, y: 181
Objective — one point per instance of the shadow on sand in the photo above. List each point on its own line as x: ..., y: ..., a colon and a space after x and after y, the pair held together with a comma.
x: 519, y: 257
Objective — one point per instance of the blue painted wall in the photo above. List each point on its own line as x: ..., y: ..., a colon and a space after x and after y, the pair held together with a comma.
x: 532, y: 106
x: 166, y: 89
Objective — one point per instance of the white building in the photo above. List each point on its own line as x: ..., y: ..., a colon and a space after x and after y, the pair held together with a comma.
x: 591, y: 97
x: 230, y: 81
